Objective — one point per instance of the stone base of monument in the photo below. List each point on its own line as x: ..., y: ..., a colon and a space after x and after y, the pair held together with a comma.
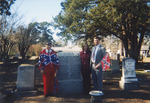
x: 129, y: 84
x: 24, y: 93
x: 70, y: 86
x: 96, y: 96
x: 128, y: 79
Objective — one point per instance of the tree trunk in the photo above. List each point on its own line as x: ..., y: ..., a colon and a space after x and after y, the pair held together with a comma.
x: 132, y: 48
x: 125, y: 43
x: 23, y: 50
x: 23, y: 56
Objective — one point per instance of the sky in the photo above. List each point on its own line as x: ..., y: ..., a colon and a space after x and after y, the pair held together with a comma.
x: 38, y: 10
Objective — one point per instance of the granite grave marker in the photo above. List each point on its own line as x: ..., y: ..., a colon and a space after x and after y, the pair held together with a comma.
x: 69, y: 74
x: 115, y: 66
x: 26, y: 77
x: 128, y: 79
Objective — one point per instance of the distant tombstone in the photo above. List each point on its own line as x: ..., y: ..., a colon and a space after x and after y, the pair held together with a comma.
x: 69, y: 74
x: 128, y: 79
x: 33, y: 57
x: 115, y: 66
x: 26, y: 77
x: 17, y: 55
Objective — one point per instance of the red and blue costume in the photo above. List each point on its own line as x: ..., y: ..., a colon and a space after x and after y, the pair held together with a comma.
x: 49, y: 63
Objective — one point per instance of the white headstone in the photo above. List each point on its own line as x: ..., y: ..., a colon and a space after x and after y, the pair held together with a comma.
x: 26, y: 77
x: 128, y: 79
x: 129, y: 68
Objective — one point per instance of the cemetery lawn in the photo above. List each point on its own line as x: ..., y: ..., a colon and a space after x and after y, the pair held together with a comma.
x: 112, y: 92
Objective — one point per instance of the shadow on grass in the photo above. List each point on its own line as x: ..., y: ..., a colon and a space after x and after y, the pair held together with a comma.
x: 125, y: 94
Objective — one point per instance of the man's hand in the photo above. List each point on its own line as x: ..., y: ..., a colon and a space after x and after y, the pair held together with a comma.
x: 55, y: 73
x: 97, y: 66
x: 42, y: 71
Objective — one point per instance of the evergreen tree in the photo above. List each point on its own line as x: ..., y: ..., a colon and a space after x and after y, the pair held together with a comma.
x: 129, y: 20
x: 46, y: 33
x: 5, y: 6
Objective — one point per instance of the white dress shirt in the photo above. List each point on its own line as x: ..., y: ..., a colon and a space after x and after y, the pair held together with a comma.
x: 48, y: 51
x: 93, y: 59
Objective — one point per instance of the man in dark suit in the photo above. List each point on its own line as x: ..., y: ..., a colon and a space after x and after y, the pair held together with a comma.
x: 98, y: 52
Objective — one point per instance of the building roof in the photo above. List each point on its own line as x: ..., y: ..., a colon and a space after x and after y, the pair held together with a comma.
x: 144, y: 47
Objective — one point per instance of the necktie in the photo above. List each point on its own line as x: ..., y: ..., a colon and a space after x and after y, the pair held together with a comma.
x: 94, y: 52
x: 49, y: 52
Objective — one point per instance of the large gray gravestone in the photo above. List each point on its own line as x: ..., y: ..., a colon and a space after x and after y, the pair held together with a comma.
x: 26, y: 77
x: 69, y: 74
x: 128, y: 79
x: 115, y: 66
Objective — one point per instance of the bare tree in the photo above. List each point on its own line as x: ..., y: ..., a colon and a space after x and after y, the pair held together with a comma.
x: 7, y: 32
x: 25, y: 38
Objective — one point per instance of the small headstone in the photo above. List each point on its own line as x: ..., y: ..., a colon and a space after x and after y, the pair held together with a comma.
x: 69, y: 73
x: 128, y: 79
x: 33, y: 57
x: 17, y: 55
x: 26, y: 77
x: 115, y: 66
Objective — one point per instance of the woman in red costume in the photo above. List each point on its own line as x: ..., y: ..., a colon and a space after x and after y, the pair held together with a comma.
x: 85, y: 68
x: 49, y: 64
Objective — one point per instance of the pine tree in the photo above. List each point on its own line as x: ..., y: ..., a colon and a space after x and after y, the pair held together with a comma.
x: 129, y: 20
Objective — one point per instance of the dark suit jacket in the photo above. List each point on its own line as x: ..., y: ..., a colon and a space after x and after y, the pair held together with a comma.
x: 99, y: 55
